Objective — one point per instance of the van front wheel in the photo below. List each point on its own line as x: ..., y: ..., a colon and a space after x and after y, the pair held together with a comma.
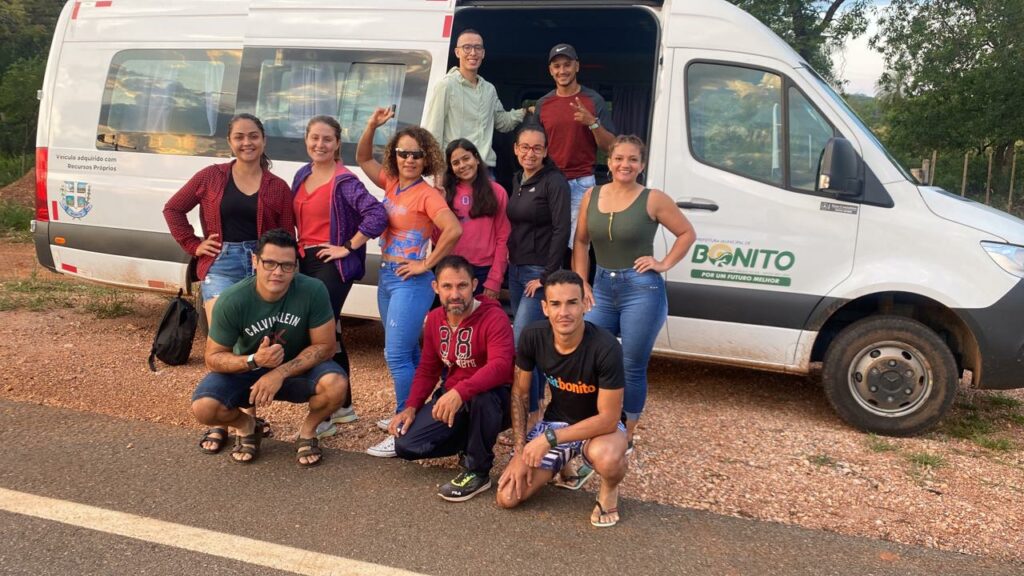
x: 890, y: 375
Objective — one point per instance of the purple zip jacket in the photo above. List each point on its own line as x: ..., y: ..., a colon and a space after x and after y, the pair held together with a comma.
x: 353, y: 209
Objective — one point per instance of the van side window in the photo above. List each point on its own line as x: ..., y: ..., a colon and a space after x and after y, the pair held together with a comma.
x: 735, y: 118
x: 168, y: 101
x: 808, y: 133
x: 755, y: 123
x: 287, y: 87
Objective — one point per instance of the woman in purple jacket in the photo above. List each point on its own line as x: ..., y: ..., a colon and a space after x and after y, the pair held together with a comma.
x: 336, y: 217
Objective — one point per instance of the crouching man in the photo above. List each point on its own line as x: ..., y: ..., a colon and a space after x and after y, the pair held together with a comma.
x: 582, y: 365
x: 472, y: 339
x: 271, y: 338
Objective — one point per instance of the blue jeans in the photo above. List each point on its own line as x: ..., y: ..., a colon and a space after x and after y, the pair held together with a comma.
x: 403, y: 306
x: 577, y: 188
x: 526, y: 311
x: 232, y: 390
x: 633, y: 306
x: 233, y: 264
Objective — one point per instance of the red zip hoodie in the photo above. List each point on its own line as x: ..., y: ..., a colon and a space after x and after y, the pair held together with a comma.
x: 478, y: 353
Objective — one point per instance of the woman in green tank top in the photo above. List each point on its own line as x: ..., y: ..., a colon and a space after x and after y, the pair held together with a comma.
x: 628, y: 298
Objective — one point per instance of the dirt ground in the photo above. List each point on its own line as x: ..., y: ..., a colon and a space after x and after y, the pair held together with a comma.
x: 727, y: 440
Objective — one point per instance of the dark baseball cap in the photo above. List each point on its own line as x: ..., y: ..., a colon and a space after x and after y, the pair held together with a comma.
x: 563, y: 50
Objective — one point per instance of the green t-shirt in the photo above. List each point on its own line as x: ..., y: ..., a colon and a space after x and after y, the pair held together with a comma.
x: 241, y: 318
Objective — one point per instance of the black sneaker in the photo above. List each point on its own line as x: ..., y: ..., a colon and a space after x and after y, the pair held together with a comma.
x: 464, y: 486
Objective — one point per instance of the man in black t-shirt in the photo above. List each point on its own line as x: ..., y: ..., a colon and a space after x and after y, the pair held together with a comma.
x: 582, y: 365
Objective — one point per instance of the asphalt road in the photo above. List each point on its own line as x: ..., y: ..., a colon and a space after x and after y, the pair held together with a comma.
x: 377, y: 511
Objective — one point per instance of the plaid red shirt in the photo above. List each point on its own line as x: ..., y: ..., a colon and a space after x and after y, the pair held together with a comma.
x: 206, y: 188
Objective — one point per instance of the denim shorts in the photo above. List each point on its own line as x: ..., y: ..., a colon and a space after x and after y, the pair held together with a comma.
x: 232, y: 390
x: 233, y: 264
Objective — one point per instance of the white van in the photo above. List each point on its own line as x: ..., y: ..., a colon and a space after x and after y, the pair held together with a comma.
x: 814, y: 245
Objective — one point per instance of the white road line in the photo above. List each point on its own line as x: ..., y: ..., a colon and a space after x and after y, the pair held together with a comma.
x: 219, y: 544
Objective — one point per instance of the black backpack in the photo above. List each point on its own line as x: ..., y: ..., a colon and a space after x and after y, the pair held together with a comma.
x: 174, y: 335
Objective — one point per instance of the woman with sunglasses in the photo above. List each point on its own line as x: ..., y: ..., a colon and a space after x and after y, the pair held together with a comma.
x: 628, y: 298
x: 336, y: 217
x: 480, y: 205
x: 415, y: 209
x: 238, y: 201
x: 538, y: 211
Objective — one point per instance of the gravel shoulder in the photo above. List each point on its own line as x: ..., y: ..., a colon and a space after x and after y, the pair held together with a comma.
x: 727, y: 440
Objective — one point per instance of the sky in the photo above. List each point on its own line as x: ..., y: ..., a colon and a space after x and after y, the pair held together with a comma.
x: 858, y: 64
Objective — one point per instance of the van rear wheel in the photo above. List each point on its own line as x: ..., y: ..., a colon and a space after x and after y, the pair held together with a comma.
x: 890, y: 375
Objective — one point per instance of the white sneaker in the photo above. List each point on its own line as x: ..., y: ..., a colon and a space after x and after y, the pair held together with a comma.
x: 386, y: 449
x: 340, y: 416
x: 383, y: 423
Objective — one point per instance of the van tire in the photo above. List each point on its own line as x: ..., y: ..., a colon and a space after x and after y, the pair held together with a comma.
x: 890, y: 375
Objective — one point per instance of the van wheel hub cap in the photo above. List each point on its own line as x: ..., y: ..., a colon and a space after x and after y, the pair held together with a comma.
x: 890, y: 379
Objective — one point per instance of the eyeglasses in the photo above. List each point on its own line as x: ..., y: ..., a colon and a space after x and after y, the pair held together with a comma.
x: 471, y: 48
x: 524, y: 148
x: 271, y: 265
x: 415, y: 154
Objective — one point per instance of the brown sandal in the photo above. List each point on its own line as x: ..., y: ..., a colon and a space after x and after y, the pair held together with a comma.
x: 248, y: 444
x: 306, y: 448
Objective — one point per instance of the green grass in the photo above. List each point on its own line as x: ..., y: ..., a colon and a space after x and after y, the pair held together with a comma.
x: 967, y: 425
x: 37, y: 295
x: 994, y: 444
x: 926, y: 460
x: 1003, y: 402
x: 14, y: 220
x: 822, y: 460
x: 113, y: 304
x: 14, y: 167
x: 878, y: 444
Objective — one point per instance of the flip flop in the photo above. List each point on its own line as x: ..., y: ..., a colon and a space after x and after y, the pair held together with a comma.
x: 602, y: 512
x: 208, y: 436
x: 577, y: 481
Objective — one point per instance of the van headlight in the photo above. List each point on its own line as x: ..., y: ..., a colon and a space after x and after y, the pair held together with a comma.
x: 1008, y: 256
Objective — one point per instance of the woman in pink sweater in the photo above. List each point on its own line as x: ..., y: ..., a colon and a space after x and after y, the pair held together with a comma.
x: 479, y: 204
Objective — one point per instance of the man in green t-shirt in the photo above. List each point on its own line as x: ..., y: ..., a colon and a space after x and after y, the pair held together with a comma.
x: 271, y: 338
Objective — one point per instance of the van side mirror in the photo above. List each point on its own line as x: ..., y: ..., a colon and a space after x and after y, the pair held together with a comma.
x: 839, y: 170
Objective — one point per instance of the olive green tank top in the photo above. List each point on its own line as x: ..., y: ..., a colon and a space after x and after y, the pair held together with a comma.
x: 619, y: 238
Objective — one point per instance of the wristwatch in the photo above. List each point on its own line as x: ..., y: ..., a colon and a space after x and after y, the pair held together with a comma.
x: 595, y: 125
x: 251, y: 361
x: 549, y: 434
x: 348, y: 246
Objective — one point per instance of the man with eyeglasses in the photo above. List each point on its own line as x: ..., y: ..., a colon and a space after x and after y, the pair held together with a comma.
x: 271, y: 338
x: 577, y: 121
x: 464, y: 105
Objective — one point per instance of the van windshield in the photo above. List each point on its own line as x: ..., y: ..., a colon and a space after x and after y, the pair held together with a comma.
x: 827, y: 89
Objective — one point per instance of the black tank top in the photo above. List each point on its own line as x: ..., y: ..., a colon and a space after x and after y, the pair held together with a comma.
x: 238, y: 213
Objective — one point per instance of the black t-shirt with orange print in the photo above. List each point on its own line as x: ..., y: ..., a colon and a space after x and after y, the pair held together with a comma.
x: 574, y: 378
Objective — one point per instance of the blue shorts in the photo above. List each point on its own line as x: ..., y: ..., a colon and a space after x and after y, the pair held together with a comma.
x: 232, y: 390
x: 557, y: 457
x: 232, y: 265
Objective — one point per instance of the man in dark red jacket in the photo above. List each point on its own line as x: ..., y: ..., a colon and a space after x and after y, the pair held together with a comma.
x: 472, y: 339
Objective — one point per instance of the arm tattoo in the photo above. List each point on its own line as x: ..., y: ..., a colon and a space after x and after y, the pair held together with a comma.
x: 226, y: 362
x: 520, y: 405
x: 311, y: 356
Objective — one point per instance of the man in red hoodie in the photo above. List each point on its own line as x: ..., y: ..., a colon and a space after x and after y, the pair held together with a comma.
x: 472, y: 339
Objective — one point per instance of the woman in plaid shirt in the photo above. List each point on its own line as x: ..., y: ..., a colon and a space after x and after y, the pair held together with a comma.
x: 238, y: 201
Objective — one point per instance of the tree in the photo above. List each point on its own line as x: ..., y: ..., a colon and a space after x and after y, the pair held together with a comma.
x: 813, y: 27
x: 18, y: 104
x: 954, y: 76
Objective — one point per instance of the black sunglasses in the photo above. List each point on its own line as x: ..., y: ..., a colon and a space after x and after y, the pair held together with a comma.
x: 416, y: 154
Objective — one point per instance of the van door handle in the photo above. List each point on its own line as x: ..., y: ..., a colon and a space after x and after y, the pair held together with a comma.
x: 697, y: 204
